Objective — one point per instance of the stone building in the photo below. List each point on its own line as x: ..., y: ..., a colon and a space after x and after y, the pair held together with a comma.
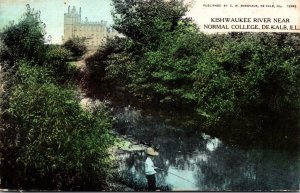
x: 94, y: 33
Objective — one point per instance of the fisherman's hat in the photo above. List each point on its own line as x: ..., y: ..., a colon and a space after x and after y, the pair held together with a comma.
x: 151, y: 151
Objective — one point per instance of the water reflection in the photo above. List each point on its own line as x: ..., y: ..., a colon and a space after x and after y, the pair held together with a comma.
x: 207, y: 164
x: 233, y: 169
x: 175, y: 177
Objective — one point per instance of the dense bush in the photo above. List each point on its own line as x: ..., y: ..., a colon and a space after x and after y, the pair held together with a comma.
x: 57, y: 55
x: 56, y: 61
x: 249, y: 86
x: 109, y: 55
x: 76, y: 46
x: 163, y: 77
x: 48, y: 141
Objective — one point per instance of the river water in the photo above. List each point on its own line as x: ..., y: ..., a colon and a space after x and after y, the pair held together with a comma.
x: 199, y: 162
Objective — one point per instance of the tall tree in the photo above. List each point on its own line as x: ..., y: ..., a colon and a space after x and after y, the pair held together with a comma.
x: 25, y: 40
x: 145, y: 22
x: 153, y: 32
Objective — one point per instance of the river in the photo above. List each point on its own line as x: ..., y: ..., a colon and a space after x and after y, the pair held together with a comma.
x: 199, y: 162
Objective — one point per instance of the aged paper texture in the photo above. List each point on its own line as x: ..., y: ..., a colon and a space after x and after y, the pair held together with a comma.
x: 247, y: 16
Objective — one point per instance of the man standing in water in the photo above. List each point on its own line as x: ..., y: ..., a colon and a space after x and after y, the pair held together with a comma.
x: 150, y: 169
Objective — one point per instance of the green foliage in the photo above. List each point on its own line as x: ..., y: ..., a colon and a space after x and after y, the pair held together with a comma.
x: 47, y: 140
x: 24, y: 40
x: 56, y: 59
x: 110, y: 55
x: 48, y: 137
x: 76, y: 46
x: 249, y: 85
x: 164, y: 76
x: 145, y: 22
x: 147, y: 61
x: 57, y: 54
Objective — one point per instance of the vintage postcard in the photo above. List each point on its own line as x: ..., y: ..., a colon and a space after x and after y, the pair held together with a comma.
x: 150, y: 95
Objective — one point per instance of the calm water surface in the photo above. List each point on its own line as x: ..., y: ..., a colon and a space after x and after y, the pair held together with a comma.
x: 203, y: 163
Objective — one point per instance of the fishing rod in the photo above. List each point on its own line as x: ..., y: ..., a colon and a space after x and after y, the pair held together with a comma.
x: 176, y: 176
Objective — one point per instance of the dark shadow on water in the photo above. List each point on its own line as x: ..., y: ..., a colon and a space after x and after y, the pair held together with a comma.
x: 205, y: 163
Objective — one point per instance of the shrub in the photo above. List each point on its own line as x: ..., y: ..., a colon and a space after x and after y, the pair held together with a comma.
x: 76, y: 46
x: 56, y: 60
x: 111, y: 55
x: 48, y: 141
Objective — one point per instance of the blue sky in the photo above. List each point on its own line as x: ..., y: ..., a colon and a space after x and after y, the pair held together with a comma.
x: 52, y: 12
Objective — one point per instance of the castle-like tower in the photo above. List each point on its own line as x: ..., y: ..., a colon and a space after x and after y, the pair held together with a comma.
x: 94, y: 32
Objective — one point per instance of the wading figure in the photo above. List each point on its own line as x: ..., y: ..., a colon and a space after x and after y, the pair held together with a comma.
x: 150, y: 169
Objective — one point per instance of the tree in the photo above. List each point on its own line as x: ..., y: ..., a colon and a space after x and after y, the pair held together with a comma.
x: 145, y: 22
x: 133, y: 61
x: 164, y: 77
x: 24, y: 40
